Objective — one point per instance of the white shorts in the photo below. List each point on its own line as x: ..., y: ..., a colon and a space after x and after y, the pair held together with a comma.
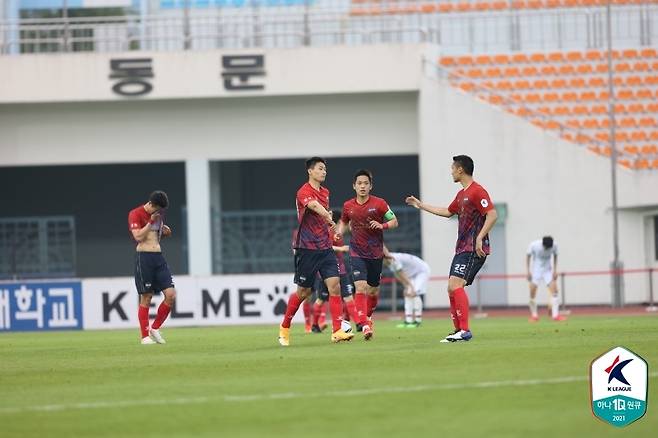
x: 540, y: 276
x: 420, y: 282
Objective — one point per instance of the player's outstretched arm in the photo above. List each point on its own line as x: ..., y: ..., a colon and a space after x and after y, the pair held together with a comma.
x: 439, y: 211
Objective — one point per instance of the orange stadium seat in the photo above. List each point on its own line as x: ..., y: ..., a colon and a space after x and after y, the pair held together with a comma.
x: 551, y: 97
x: 577, y: 83
x: 464, y: 60
x: 493, y: 72
x: 649, y: 53
x: 585, y: 69
x: 562, y: 111
x: 445, y: 8
x: 599, y: 109
x: 558, y: 83
x: 629, y: 53
x: 574, y: 123
x: 447, y: 61
x: 522, y: 84
x: 512, y: 71
x: 538, y: 57
x: 650, y: 150
x: 520, y: 58
x: 635, y: 108
x: 540, y: 83
x: 499, y: 5
x: 556, y: 57
x: 501, y: 59
x: 464, y: 7
x: 644, y: 93
x: 574, y: 56
x: 596, y: 82
x: 530, y: 71
x: 569, y: 96
x: 547, y: 70
x: 593, y: 55
x: 483, y: 59
x: 567, y: 69
x: 581, y: 110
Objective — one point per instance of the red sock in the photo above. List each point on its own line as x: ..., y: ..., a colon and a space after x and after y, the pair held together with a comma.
x: 317, y: 309
x: 293, y: 306
x: 351, y: 309
x: 453, y: 312
x: 143, y: 316
x: 346, y: 312
x: 372, y: 304
x: 306, y: 307
x: 461, y: 303
x: 336, y: 308
x: 163, y: 313
x: 361, y: 307
x: 323, y: 313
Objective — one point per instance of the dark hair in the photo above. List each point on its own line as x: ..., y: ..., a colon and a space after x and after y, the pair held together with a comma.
x: 547, y: 241
x: 363, y: 172
x: 311, y: 162
x: 465, y: 162
x: 159, y: 198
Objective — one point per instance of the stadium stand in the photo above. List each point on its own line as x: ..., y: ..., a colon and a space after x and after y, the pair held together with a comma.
x: 568, y: 92
x: 378, y: 7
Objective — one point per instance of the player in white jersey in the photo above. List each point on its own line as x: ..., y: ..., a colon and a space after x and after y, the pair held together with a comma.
x: 540, y: 270
x: 413, y: 273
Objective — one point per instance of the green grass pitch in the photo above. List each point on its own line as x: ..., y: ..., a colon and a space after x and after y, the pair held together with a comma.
x: 514, y: 379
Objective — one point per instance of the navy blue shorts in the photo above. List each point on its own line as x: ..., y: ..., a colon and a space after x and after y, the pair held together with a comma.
x: 152, y: 273
x: 346, y: 288
x: 466, y: 265
x: 310, y: 262
x: 369, y: 270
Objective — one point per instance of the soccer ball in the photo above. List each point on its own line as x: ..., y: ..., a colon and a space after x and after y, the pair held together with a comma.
x: 345, y: 326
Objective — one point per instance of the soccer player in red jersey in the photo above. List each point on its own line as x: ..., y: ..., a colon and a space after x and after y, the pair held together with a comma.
x: 313, y: 251
x: 477, y: 216
x: 367, y: 217
x: 152, y: 275
x: 346, y: 288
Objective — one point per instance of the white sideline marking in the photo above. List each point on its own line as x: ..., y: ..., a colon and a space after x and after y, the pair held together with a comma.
x: 294, y: 395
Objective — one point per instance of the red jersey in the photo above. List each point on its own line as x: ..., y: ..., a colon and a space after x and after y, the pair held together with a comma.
x: 139, y: 217
x: 312, y: 232
x: 472, y: 205
x: 366, y: 243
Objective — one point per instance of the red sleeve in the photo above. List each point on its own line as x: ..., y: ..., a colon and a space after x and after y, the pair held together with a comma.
x: 383, y: 209
x: 134, y: 221
x: 454, y: 205
x: 482, y: 201
x: 304, y: 196
x: 343, y: 216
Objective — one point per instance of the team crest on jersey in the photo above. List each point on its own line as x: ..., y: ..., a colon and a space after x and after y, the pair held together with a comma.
x: 619, y: 387
x: 484, y: 203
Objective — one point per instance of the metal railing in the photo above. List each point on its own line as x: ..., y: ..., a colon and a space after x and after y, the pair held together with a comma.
x: 261, y: 241
x: 33, y: 247
x: 502, y: 31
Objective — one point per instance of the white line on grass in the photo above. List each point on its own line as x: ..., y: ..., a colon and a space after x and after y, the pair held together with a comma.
x: 294, y: 395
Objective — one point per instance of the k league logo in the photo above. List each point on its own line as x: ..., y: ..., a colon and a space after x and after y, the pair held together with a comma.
x: 619, y: 387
